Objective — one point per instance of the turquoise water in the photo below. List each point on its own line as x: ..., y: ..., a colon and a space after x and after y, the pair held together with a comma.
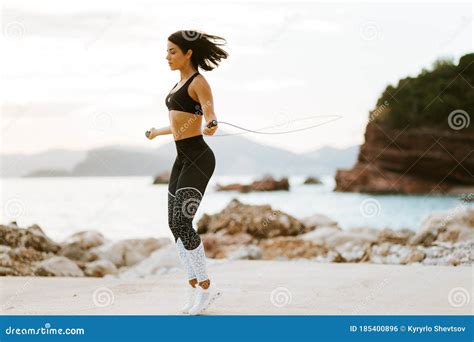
x: 131, y: 207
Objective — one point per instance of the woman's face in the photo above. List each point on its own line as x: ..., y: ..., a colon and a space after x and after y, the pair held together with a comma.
x: 175, y: 56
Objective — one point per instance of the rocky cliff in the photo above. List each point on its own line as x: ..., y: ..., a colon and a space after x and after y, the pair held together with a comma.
x: 419, y: 138
x: 411, y: 160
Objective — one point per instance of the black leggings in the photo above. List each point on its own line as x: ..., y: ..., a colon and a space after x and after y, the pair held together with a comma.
x: 192, y: 169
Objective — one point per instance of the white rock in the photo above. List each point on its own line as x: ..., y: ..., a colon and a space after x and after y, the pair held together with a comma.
x: 453, y: 225
x: 128, y: 252
x: 159, y: 262
x: 319, y: 235
x: 58, y: 266
x: 352, y: 252
x: 86, y: 239
x: 246, y: 252
x: 341, y: 237
x: 319, y: 220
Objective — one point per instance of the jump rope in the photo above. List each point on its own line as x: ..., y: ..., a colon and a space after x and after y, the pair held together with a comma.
x: 214, y: 123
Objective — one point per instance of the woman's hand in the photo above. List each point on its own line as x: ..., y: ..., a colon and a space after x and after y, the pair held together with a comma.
x: 209, y: 131
x: 151, y: 133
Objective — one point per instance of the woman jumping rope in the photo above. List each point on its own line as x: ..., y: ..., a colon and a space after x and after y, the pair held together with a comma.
x: 187, y: 51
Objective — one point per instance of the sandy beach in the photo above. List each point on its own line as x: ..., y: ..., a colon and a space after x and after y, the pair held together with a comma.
x: 254, y: 287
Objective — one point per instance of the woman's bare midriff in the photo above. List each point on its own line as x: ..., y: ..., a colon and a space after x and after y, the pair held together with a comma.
x: 184, y: 125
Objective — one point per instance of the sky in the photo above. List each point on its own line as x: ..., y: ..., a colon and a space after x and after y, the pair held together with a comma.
x: 90, y: 73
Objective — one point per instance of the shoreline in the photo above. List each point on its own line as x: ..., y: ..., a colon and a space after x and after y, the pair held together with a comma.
x: 240, y: 232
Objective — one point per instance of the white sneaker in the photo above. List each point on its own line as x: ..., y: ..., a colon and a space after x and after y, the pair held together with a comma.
x: 191, y: 293
x: 204, y: 299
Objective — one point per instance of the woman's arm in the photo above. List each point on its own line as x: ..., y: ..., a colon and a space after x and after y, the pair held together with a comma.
x: 154, y: 132
x: 204, y: 94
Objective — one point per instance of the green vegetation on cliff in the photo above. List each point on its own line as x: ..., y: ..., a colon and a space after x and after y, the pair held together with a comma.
x: 428, y: 99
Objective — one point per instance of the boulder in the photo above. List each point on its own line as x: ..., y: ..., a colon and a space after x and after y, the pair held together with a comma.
x: 318, y: 220
x: 401, y: 236
x: 321, y: 234
x: 267, y: 183
x: 76, y: 246
x: 219, y: 245
x: 388, y: 253
x: 33, y: 237
x: 451, y: 225
x: 341, y: 237
x: 86, y: 239
x: 259, y: 221
x: 159, y: 262
x: 353, y: 252
x: 99, y: 268
x: 248, y: 252
x: 312, y: 180
x: 414, y: 256
x: 58, y: 266
x: 127, y: 252
x: 290, y: 248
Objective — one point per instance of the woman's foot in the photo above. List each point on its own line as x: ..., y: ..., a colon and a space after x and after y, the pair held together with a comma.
x: 204, y: 298
x: 191, y: 293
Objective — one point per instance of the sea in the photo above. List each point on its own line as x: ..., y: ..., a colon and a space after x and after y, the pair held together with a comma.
x: 132, y: 207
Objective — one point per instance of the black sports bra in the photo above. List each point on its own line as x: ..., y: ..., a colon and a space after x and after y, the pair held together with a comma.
x: 180, y: 99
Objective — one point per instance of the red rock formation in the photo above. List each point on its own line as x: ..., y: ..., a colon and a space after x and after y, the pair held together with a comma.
x: 410, y: 160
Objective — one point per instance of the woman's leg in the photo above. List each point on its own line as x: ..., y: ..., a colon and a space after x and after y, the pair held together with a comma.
x: 199, y: 165
x: 175, y: 171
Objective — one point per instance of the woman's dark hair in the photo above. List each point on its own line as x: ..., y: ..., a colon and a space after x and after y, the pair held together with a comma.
x: 206, y: 51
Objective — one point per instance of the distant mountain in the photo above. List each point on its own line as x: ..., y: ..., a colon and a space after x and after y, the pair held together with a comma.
x: 16, y: 165
x: 117, y: 162
x: 333, y: 158
x: 235, y: 155
x: 49, y: 173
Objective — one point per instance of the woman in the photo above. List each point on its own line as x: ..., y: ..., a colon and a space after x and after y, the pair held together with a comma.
x: 187, y: 102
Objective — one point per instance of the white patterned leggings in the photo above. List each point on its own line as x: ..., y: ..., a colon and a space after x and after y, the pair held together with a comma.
x: 191, y: 172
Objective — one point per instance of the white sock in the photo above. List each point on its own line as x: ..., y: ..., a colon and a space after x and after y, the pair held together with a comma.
x: 185, y: 259
x: 197, y: 258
